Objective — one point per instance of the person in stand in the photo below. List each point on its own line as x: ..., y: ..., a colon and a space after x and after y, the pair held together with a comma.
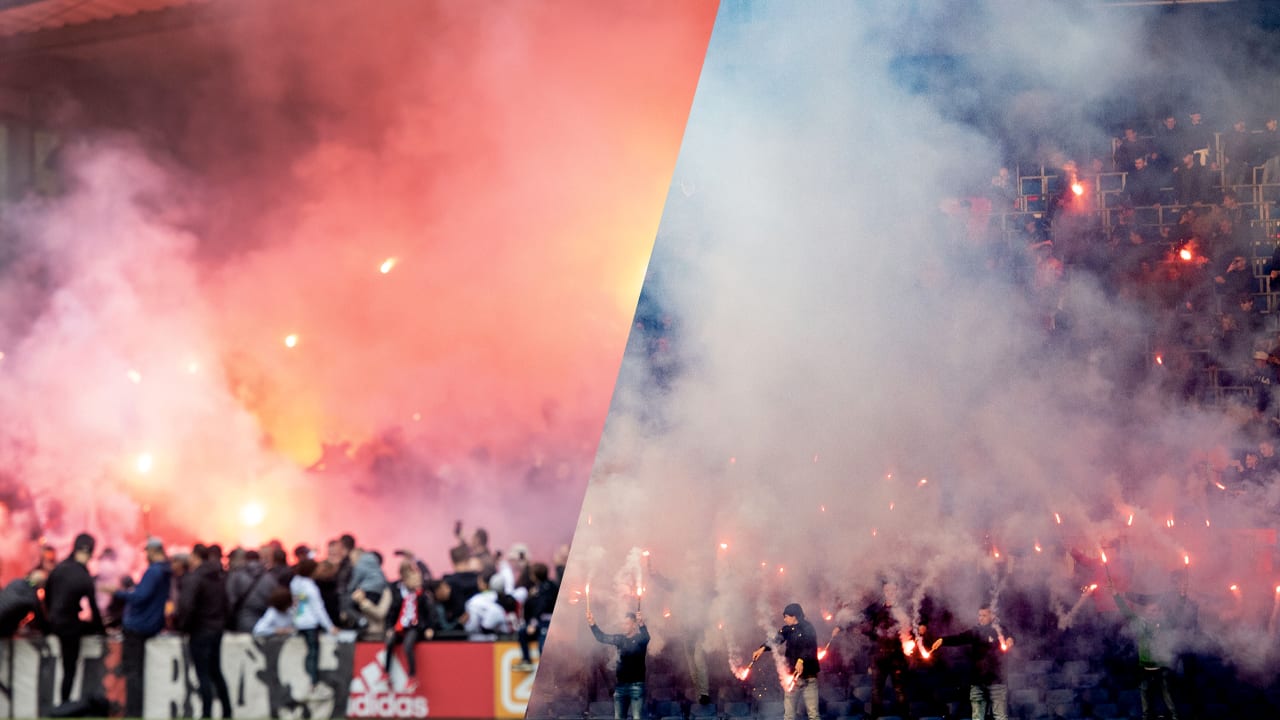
x: 144, y: 606
x: 537, y: 614
x: 68, y: 587
x: 633, y: 645
x: 202, y: 614
x: 308, y: 617
x: 20, y: 599
x: 883, y: 624
x: 1149, y: 627
x: 410, y: 616
x: 801, y: 642
x: 987, y: 645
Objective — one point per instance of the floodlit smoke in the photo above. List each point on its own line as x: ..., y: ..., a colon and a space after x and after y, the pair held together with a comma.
x: 371, y: 275
x: 830, y: 392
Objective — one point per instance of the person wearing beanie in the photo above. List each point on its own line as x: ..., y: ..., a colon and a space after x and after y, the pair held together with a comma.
x: 632, y: 644
x: 68, y: 585
x: 801, y: 657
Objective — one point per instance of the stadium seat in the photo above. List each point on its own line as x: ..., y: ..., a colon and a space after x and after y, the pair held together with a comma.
x: 664, y: 708
x: 737, y: 710
x: 600, y: 710
x: 697, y: 710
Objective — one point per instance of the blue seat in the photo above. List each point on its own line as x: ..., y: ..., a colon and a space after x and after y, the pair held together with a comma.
x: 702, y: 711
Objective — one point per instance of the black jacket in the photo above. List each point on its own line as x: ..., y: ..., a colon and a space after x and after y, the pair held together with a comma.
x: 202, y: 601
x: 426, y: 613
x: 68, y: 583
x: 541, y: 602
x: 986, y: 659
x: 631, y: 652
x: 17, y: 601
x: 801, y: 642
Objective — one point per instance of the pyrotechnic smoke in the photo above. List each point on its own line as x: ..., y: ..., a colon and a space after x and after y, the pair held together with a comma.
x: 843, y: 397
x: 372, y: 274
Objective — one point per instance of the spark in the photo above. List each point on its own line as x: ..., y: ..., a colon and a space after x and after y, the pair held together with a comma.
x: 1038, y: 548
x: 1130, y: 523
x: 291, y: 340
x: 1104, y: 555
x: 1185, y: 254
x: 826, y: 616
x: 144, y: 463
x: 1058, y: 518
x: 724, y: 546
x: 252, y: 514
x: 1234, y: 587
x: 781, y: 569
x: 1169, y: 523
x: 386, y: 265
x: 1159, y: 359
x: 1206, y: 520
x: 1077, y: 188
x: 923, y: 482
x: 1220, y: 487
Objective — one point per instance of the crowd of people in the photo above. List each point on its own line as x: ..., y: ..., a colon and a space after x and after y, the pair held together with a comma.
x: 1173, y: 230
x: 202, y: 593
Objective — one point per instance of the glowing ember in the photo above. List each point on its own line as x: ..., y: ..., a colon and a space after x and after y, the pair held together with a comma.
x: 1103, y: 553
x: 666, y: 613
x: 826, y: 616
x: 1233, y: 587
x: 1220, y: 486
x: 1130, y: 522
x: 781, y: 569
x: 891, y: 506
x: 386, y: 265
x: 1159, y: 359
x: 1057, y: 518
x: 822, y: 653
x: 1186, y: 559
x: 1077, y: 188
x: 822, y: 508
x: 923, y: 482
x: 724, y: 546
x: 135, y: 377
x: 1169, y: 522
x: 252, y: 514
x: 1278, y: 589
x: 995, y: 553
x: 291, y: 340
x: 1038, y: 548
x: 1091, y: 588
x: 1185, y: 254
x: 144, y: 463
x: 1206, y: 522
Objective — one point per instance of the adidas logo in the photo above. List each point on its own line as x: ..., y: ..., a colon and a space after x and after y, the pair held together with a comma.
x: 378, y: 694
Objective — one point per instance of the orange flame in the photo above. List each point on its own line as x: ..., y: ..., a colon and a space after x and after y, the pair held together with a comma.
x: 1185, y: 254
x: 1077, y: 188
x: 822, y: 653
x: 908, y: 646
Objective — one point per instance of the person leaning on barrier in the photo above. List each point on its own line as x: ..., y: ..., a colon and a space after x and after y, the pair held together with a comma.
x: 69, y: 585
x: 144, y: 606
x: 19, y: 600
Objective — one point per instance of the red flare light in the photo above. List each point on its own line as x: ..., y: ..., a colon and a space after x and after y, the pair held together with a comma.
x: 1091, y: 588
x: 1234, y: 587
x: 873, y: 532
x: 1185, y: 255
x: 1220, y: 486
x: 822, y: 653
x: 1103, y: 553
x: 1186, y: 560
x: 1038, y: 548
x: 822, y: 508
x: 1130, y: 522
x: 891, y: 506
x: 781, y: 569
x: 1058, y: 518
x: 1278, y: 589
x: 1159, y: 359
x: 724, y: 546
x: 743, y: 673
x: 1077, y: 188
x: 923, y: 482
x: 908, y: 647
x: 995, y: 553
x: 666, y: 613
